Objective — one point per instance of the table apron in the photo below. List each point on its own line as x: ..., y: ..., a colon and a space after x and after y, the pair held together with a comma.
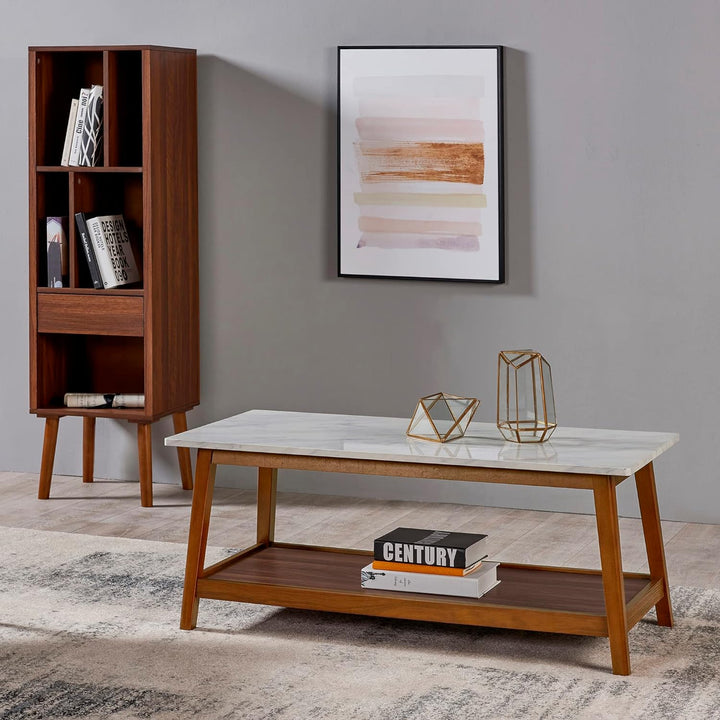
x: 392, y: 468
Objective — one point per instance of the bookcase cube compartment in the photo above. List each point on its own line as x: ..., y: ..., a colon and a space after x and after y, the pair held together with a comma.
x: 106, y: 193
x: 89, y: 363
x: 58, y: 78
x: 123, y: 108
x: 51, y: 198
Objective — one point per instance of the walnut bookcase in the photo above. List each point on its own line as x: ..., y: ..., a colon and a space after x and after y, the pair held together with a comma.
x: 133, y: 339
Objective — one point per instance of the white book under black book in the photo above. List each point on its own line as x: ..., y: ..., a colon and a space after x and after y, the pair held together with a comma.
x: 113, y: 252
x: 473, y: 585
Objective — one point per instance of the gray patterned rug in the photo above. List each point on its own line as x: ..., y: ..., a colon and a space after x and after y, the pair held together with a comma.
x: 89, y: 629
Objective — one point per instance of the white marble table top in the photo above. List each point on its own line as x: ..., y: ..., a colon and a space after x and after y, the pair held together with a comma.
x: 569, y: 450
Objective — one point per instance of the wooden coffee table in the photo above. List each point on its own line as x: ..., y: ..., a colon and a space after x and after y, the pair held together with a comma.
x: 529, y: 597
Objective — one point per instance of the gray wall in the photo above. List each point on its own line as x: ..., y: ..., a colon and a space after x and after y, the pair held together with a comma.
x: 613, y: 172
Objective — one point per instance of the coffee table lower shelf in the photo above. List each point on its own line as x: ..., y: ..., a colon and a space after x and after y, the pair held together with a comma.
x: 529, y: 597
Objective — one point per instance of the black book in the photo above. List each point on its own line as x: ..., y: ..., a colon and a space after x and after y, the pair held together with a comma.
x: 439, y: 548
x: 85, y: 241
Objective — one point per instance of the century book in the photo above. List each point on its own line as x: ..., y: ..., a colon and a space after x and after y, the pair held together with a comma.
x: 433, y: 548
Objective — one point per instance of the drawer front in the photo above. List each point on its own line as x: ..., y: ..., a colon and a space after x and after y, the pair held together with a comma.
x: 88, y: 315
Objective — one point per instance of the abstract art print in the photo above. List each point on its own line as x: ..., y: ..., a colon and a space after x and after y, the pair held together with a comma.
x: 420, y: 163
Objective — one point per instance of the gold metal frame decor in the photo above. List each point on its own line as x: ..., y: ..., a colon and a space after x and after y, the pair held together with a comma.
x: 525, y: 401
x: 442, y: 417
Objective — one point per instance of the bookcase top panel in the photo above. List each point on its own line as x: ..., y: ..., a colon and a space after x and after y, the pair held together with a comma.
x: 111, y: 48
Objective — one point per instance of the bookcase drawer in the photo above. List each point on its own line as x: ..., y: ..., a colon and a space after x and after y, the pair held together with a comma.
x: 88, y: 315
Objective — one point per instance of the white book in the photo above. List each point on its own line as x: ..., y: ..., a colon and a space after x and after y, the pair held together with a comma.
x: 474, y: 584
x: 79, y: 123
x: 113, y: 251
x: 104, y: 400
x: 69, y: 132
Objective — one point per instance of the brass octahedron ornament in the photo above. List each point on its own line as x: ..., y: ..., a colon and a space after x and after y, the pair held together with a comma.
x: 525, y: 402
x: 442, y: 417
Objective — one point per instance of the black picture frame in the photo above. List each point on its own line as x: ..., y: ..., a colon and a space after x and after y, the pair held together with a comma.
x: 424, y: 126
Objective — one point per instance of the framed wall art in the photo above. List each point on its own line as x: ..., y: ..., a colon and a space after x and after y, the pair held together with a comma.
x: 420, y: 163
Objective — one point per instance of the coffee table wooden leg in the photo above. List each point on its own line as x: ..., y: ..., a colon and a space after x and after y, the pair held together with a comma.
x: 266, y: 501
x: 180, y: 425
x: 612, y: 575
x: 145, y: 462
x: 48, y: 457
x: 650, y: 515
x: 88, y: 449
x: 197, y: 536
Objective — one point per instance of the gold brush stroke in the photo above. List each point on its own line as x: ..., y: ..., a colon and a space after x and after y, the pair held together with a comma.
x: 439, y: 162
x: 467, y: 200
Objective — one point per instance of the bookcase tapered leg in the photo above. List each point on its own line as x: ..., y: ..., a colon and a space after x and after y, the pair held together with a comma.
x: 145, y: 461
x: 88, y: 449
x: 48, y: 456
x: 612, y: 574
x: 197, y: 536
x: 650, y: 515
x: 266, y: 497
x: 180, y: 425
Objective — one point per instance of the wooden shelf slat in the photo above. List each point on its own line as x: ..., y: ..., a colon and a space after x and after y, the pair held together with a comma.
x: 528, y: 597
x: 87, y: 169
x: 113, y: 292
x: 129, y: 414
x: 137, y: 414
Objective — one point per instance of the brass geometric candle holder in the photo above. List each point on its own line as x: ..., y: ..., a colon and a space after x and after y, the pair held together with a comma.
x: 442, y: 417
x: 525, y: 401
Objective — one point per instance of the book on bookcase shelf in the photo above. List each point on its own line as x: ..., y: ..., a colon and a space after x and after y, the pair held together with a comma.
x: 430, y: 569
x: 104, y: 400
x: 57, y: 252
x: 474, y: 585
x: 113, y: 251
x: 432, y: 548
x: 87, y: 246
x: 91, y: 137
x: 74, y: 157
x: 65, y: 160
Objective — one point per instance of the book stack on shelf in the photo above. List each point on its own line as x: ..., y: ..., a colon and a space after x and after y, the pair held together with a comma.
x: 104, y: 400
x: 83, y: 136
x: 438, y: 562
x: 106, y: 245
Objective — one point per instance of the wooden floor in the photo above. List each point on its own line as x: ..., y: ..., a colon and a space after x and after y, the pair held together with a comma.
x: 107, y: 507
